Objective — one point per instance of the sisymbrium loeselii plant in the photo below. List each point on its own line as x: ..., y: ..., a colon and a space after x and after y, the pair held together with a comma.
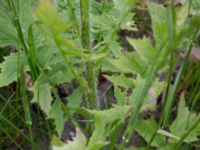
x: 79, y: 43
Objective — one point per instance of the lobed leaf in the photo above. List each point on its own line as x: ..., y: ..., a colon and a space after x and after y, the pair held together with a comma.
x: 10, y: 68
x: 8, y: 32
x: 104, y: 117
x: 144, y: 49
x: 184, y: 121
x: 56, y: 113
x: 42, y: 94
x: 147, y: 128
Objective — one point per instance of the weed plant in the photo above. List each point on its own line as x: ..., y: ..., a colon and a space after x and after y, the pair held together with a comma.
x: 77, y: 43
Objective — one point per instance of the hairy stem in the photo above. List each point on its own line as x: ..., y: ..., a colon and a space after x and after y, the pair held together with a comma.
x: 85, y: 39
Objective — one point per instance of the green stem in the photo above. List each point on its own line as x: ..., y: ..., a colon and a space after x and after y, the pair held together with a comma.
x: 18, y: 27
x: 114, y: 136
x: 32, y: 53
x: 165, y: 101
x: 55, y: 93
x: 171, y: 99
x: 73, y: 16
x: 140, y: 93
x: 85, y: 39
x: 167, y: 110
x: 80, y: 80
x: 26, y: 108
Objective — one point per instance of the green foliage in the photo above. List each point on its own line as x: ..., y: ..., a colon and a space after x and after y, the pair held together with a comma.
x: 8, y: 32
x: 159, y: 22
x: 72, y: 41
x: 10, y: 68
x: 105, y: 118
x: 195, y: 7
x: 144, y: 48
x: 123, y: 63
x: 138, y: 62
x: 182, y: 14
x: 146, y: 128
x: 109, y: 16
x: 56, y: 113
x: 75, y: 99
x: 101, y: 120
x: 42, y: 94
x: 183, y: 122
x: 49, y: 16
x: 79, y: 142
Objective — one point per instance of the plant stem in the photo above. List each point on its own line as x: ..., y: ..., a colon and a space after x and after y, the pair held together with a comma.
x: 171, y: 99
x: 167, y: 111
x: 17, y: 24
x: 73, y: 16
x: 141, y: 92
x: 26, y: 108
x: 85, y: 39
